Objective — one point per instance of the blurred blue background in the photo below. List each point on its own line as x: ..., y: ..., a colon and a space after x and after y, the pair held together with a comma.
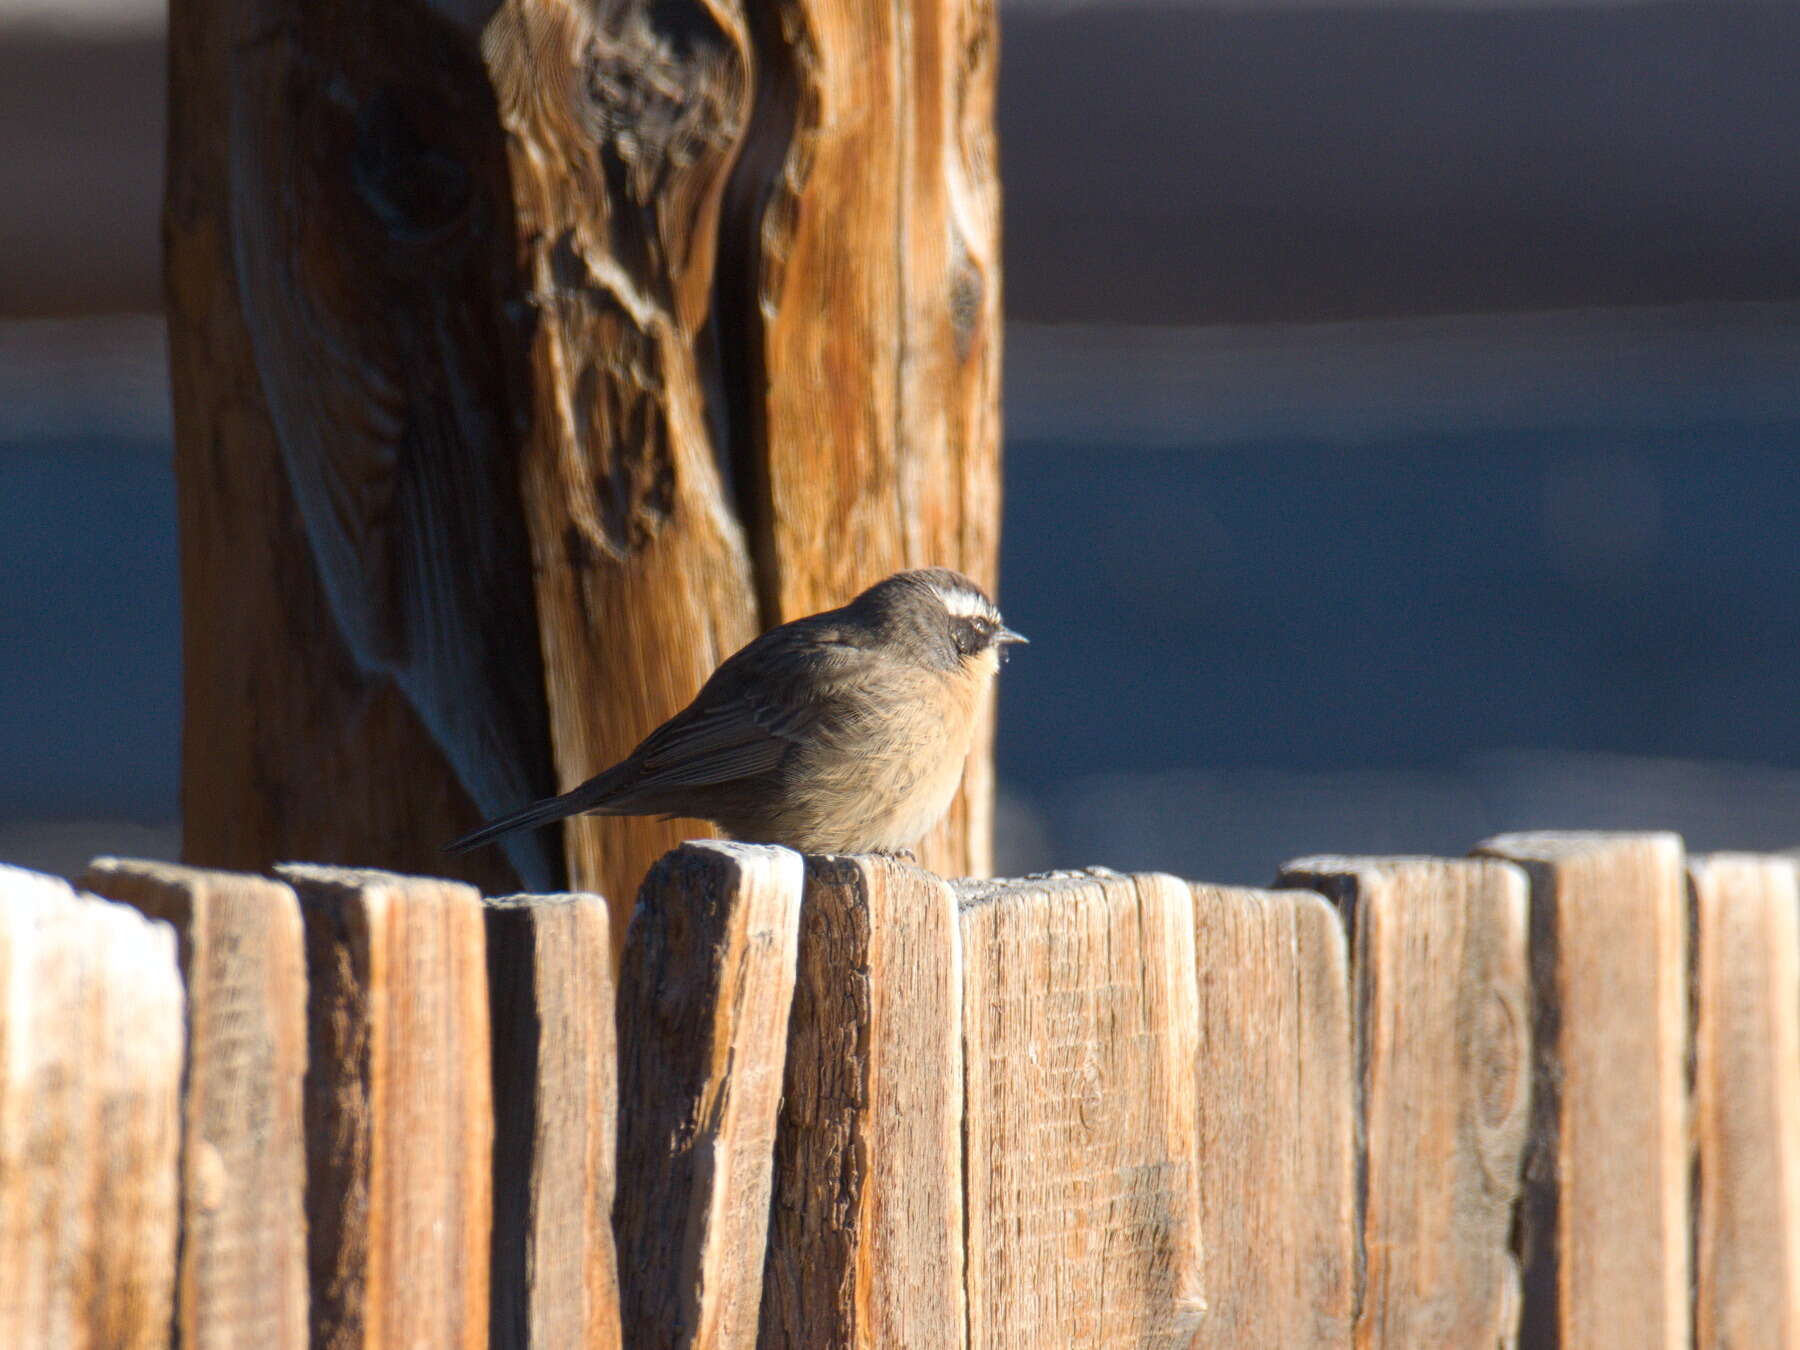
x: 1401, y: 408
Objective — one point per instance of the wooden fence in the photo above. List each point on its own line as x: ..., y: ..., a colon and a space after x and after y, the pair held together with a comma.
x: 1548, y: 1094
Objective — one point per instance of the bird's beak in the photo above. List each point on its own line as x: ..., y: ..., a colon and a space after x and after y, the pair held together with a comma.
x: 1006, y: 635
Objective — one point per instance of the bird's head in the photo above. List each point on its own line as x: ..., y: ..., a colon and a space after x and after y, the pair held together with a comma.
x: 940, y: 617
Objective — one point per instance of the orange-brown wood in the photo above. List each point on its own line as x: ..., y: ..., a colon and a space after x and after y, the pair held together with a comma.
x: 242, y: 1279
x: 550, y: 978
x: 529, y: 360
x: 1081, y: 1062
x: 866, y: 1225
x: 1277, y: 1122
x: 398, y: 1109
x: 705, y: 989
x: 90, y: 1124
x: 1746, y: 1100
x: 1443, y: 1050
x: 1605, y: 1220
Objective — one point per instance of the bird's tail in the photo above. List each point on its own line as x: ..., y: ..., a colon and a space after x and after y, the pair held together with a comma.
x: 544, y: 812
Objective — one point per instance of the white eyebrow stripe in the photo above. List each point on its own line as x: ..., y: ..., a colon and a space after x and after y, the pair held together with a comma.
x: 963, y: 604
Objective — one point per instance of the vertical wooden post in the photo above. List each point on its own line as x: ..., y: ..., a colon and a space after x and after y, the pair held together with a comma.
x: 399, y: 1120
x: 550, y: 977
x: 1277, y: 1122
x: 1081, y: 1052
x: 1443, y: 1049
x: 1606, y: 1199
x: 866, y: 1231
x: 1747, y: 1099
x: 242, y: 1279
x: 529, y: 358
x: 90, y: 1076
x: 704, y: 994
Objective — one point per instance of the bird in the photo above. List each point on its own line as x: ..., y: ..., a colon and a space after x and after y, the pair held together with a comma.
x: 841, y: 732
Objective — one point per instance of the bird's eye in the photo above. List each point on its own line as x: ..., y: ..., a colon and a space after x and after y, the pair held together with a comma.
x: 972, y: 635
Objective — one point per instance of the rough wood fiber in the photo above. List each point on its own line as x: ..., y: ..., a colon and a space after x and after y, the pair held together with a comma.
x: 704, y: 993
x: 1443, y: 1053
x: 1080, y: 1060
x: 1747, y: 1100
x: 550, y: 977
x: 529, y: 358
x: 399, y: 1120
x: 1606, y: 1200
x: 1277, y: 1122
x: 346, y: 380
x: 90, y: 1080
x: 242, y: 1277
x: 866, y: 1232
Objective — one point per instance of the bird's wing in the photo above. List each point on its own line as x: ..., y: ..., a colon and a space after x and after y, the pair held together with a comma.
x: 754, y: 710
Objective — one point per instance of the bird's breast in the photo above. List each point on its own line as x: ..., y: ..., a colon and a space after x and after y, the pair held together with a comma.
x: 886, y: 784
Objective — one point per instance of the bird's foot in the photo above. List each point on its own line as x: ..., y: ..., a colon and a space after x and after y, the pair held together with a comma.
x: 897, y: 854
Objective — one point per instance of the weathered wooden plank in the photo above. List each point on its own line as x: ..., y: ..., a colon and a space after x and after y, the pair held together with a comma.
x: 1443, y: 1054
x: 550, y: 977
x: 1081, y: 1050
x: 704, y: 993
x: 1606, y: 1198
x: 866, y: 1233
x: 242, y: 1278
x: 1277, y: 1122
x: 399, y: 1119
x: 90, y: 1080
x: 1747, y: 1100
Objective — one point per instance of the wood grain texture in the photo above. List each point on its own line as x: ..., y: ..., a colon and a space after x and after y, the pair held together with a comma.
x: 346, y: 380
x: 1606, y: 1203
x: 871, y: 312
x: 866, y: 1229
x: 1747, y: 1100
x: 1277, y: 1122
x: 550, y: 978
x: 705, y: 989
x: 1443, y: 1052
x: 399, y: 1118
x: 242, y: 1277
x: 1081, y: 1053
x: 529, y: 359
x: 90, y: 1126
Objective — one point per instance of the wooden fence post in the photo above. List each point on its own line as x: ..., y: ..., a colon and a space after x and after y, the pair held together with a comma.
x: 1277, y: 1122
x: 1747, y: 1099
x: 1606, y: 1195
x: 90, y: 1125
x: 550, y: 978
x: 1081, y: 1052
x: 1443, y: 1052
x: 242, y: 1280
x: 399, y: 1120
x: 528, y: 359
x: 866, y: 1229
x: 704, y: 993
